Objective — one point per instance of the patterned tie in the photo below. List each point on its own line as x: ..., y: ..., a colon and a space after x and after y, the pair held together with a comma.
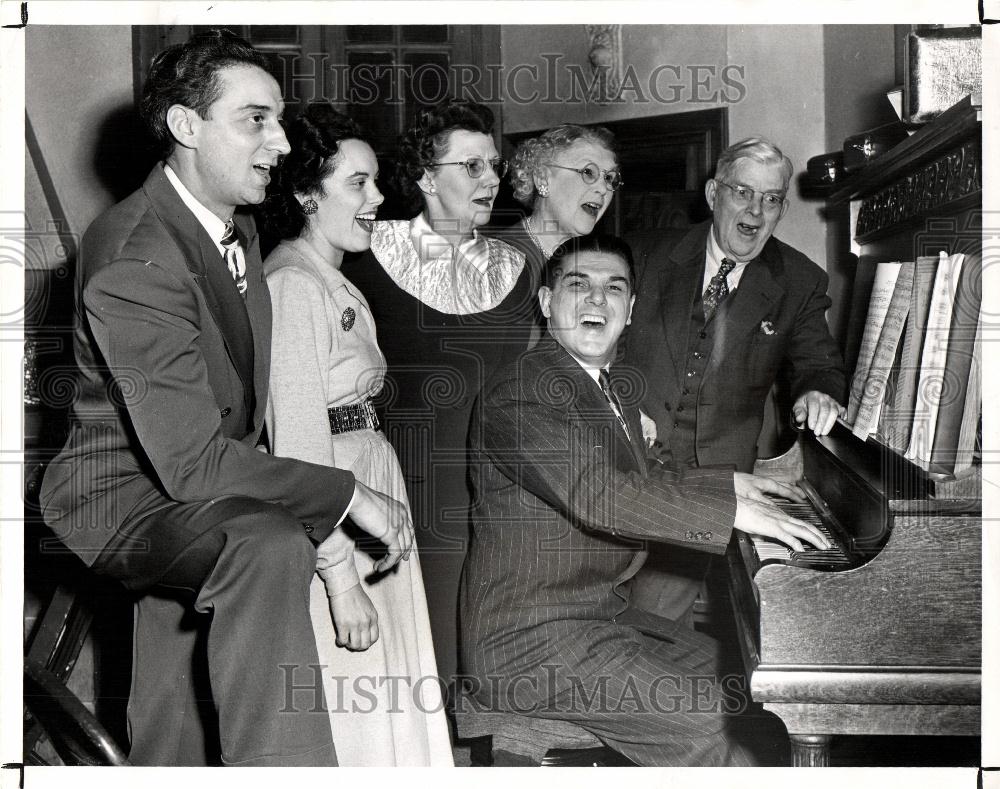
x: 717, y: 289
x: 234, y: 258
x: 604, y: 378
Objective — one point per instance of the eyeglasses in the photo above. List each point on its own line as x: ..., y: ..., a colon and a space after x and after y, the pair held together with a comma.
x: 771, y: 201
x: 476, y: 166
x: 590, y: 172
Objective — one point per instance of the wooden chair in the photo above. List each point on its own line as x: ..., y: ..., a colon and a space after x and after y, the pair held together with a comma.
x: 52, y: 708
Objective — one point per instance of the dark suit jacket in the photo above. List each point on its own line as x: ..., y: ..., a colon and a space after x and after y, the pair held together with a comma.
x: 172, y: 380
x: 775, y: 321
x: 563, y: 504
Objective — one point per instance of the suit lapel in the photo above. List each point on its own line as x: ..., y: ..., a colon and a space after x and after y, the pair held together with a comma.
x: 258, y: 309
x: 679, y: 284
x: 592, y: 406
x: 230, y: 314
x: 636, y: 442
x: 210, y: 272
x: 740, y: 314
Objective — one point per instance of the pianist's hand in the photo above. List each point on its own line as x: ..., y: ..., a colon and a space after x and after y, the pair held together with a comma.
x: 755, y: 514
x: 817, y: 411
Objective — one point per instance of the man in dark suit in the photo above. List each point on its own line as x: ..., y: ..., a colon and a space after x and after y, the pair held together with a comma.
x: 725, y: 309
x: 563, y: 504
x: 161, y: 484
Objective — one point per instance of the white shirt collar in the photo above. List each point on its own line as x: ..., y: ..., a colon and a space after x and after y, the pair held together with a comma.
x: 437, y: 247
x: 593, y: 372
x: 713, y: 262
x: 214, y: 226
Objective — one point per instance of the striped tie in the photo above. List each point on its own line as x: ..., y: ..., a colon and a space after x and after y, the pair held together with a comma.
x: 234, y: 258
x: 717, y: 289
x: 604, y: 379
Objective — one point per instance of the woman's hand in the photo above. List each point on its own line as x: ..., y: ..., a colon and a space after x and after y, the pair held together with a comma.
x: 354, y: 618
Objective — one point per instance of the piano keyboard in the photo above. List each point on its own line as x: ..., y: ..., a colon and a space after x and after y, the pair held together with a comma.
x: 833, y: 558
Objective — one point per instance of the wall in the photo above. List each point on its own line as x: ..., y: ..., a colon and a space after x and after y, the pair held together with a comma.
x: 78, y: 98
x: 647, y: 48
x: 784, y: 102
x: 859, y: 70
x: 79, y: 85
x: 804, y: 86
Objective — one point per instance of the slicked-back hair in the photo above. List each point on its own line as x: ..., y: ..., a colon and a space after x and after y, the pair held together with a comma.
x: 188, y: 74
x: 314, y: 137
x: 532, y: 154
x: 757, y: 148
x: 599, y: 243
x: 427, y: 139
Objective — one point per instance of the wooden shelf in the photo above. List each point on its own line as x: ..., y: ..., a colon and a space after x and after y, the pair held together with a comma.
x: 943, y: 133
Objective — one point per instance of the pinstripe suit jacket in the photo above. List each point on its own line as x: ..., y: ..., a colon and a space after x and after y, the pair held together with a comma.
x: 563, y: 506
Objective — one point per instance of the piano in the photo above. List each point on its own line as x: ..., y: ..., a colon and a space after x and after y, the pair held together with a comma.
x: 883, y: 634
x: 883, y: 637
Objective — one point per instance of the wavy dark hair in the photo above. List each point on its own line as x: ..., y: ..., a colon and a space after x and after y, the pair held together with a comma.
x: 602, y: 243
x: 427, y: 138
x: 188, y: 74
x: 315, y: 137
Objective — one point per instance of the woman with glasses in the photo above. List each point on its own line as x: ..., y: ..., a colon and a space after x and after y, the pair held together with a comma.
x: 450, y: 305
x: 371, y: 627
x: 566, y: 178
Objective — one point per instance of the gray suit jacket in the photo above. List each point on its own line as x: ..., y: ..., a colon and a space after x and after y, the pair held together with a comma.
x: 775, y: 322
x: 172, y: 380
x: 563, y: 505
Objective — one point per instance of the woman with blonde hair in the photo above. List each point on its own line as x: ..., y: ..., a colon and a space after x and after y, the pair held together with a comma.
x: 566, y: 178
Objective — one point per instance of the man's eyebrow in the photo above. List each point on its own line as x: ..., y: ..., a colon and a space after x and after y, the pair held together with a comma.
x: 259, y: 108
x: 359, y: 172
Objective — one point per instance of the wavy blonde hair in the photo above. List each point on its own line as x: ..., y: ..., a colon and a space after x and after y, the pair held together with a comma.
x: 537, y: 151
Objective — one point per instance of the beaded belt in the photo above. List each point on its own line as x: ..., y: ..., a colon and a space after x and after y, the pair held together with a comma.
x: 357, y: 416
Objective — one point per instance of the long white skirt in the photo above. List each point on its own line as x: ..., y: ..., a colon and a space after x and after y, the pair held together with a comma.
x: 385, y: 703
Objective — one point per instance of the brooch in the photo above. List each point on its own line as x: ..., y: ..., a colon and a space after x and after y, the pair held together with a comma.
x: 347, y: 319
x: 767, y: 327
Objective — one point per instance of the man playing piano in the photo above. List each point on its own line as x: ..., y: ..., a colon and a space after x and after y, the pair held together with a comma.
x: 563, y: 505
x: 726, y: 308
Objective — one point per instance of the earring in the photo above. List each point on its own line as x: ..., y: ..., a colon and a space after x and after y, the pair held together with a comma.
x: 309, y: 206
x: 543, y: 190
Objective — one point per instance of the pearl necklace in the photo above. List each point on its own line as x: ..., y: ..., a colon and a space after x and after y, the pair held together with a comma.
x: 527, y: 226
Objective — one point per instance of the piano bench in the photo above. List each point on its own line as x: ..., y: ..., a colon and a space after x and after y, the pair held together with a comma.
x: 504, y: 739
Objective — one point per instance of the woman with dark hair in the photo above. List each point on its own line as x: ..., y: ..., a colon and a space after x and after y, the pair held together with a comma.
x: 566, y: 178
x: 450, y: 306
x: 325, y: 368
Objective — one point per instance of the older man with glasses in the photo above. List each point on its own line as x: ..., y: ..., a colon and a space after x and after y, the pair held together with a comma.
x: 722, y: 311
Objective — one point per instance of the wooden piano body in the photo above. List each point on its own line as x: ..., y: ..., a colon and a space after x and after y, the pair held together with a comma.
x: 888, y: 647
x: 893, y: 645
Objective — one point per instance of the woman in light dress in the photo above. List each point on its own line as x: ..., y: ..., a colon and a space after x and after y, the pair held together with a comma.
x: 372, y: 630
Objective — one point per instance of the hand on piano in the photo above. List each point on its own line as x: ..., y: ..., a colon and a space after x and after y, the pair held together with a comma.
x: 755, y: 514
x: 817, y: 411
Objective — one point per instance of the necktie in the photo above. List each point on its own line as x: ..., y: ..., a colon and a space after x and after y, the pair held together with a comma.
x: 604, y: 379
x: 717, y: 289
x: 234, y: 258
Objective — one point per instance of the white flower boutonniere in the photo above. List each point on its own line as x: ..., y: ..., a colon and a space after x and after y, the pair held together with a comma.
x: 767, y: 327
